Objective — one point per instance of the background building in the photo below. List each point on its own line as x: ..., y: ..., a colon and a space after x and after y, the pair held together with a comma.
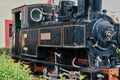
x: 6, y: 14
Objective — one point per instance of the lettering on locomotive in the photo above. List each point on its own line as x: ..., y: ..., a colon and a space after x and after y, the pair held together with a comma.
x: 45, y: 36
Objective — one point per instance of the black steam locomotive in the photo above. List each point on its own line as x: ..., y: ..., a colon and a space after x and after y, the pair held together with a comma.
x: 67, y: 39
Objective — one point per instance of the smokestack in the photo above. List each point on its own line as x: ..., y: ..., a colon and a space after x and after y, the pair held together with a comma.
x: 83, y: 6
x: 97, y: 5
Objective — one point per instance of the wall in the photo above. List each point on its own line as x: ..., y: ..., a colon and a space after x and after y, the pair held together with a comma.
x: 5, y: 13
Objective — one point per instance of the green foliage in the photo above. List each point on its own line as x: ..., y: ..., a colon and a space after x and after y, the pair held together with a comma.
x: 6, y: 50
x: 62, y: 76
x: 12, y: 71
x: 79, y: 76
x: 118, y: 53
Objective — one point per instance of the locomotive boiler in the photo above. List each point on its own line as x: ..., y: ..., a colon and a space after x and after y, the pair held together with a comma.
x: 65, y: 38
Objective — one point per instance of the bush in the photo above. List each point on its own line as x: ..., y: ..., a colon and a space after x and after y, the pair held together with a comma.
x: 7, y: 50
x: 118, y: 53
x: 12, y: 71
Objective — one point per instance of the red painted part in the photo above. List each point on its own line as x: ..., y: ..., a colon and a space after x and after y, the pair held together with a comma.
x: 82, y: 60
x: 49, y: 1
x: 7, y: 24
x: 112, y: 73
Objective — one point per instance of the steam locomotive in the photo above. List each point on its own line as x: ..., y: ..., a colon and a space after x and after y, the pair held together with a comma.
x: 68, y: 39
